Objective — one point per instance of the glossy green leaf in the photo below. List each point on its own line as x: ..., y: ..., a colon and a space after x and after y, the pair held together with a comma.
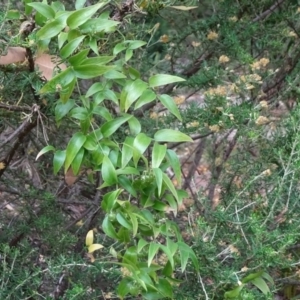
x: 108, y: 171
x: 133, y: 73
x: 98, y: 60
x: 78, y: 58
x: 175, y: 164
x: 61, y: 39
x: 58, y: 160
x: 103, y: 112
x: 77, y: 161
x: 62, y: 109
x: 251, y: 276
x: 82, y: 15
x: 90, y: 143
x: 170, y: 186
x: 170, y: 135
x: 44, y: 9
x: 98, y: 25
x: 109, y: 200
x: 165, y: 288
x: 125, y: 183
x: 131, y: 92
x: 169, y: 103
x: 128, y: 54
x: 113, y: 74
x: 128, y: 171
x: 70, y: 47
x: 111, y: 127
x: 127, y: 286
x: 127, y: 151
x: 159, y: 179
x: 134, y: 223
x: 45, y: 150
x: 109, y: 229
x: 163, y: 79
x: 158, y: 154
x: 123, y: 221
x: 140, y: 144
x: 134, y: 126
x: 153, y: 249
x: 51, y: 29
x: 90, y: 71
x: 67, y: 91
x: 119, y: 48
x: 147, y: 97
x: 79, y: 113
x: 59, y: 81
x: 74, y: 146
x: 141, y: 244
x: 58, y: 6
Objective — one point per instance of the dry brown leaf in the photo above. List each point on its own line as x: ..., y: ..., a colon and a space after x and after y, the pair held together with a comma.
x: 14, y: 55
x: 70, y: 178
x: 47, y: 64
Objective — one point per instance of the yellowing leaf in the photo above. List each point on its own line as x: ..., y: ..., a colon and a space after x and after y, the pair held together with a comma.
x: 89, y: 238
x: 95, y: 247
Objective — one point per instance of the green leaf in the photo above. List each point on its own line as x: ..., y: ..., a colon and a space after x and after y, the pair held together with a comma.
x: 13, y: 14
x: 162, y: 79
x: 44, y: 9
x: 252, y: 276
x: 169, y: 254
x: 69, y: 48
x: 268, y: 277
x: 62, y: 109
x: 261, y: 285
x: 111, y: 127
x: 77, y: 162
x: 79, y: 113
x: 61, y: 80
x: 103, y: 112
x: 90, y: 143
x: 58, y: 160
x: 153, y: 248
x: 74, y: 146
x: 51, y: 29
x: 170, y: 186
x: 109, y: 229
x: 233, y: 294
x: 109, y: 200
x: 28, y: 9
x: 135, y: 44
x: 134, y: 125
x: 98, y: 25
x: 127, y: 286
x: 123, y: 221
x: 67, y: 91
x: 128, y: 54
x: 175, y: 164
x: 79, y: 4
x: 169, y: 103
x: 113, y: 74
x: 45, y: 150
x: 141, y: 244
x: 172, y: 246
x: 170, y: 135
x: 140, y: 144
x: 78, y: 58
x: 131, y: 92
x: 61, y: 38
x: 165, y: 288
x: 158, y: 177
x: 98, y: 60
x: 108, y: 171
x: 82, y: 15
x: 90, y: 71
x: 147, y: 97
x: 127, y: 151
x: 187, y: 252
x: 158, y: 154
x: 127, y: 185
x: 134, y: 223
x: 119, y: 48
